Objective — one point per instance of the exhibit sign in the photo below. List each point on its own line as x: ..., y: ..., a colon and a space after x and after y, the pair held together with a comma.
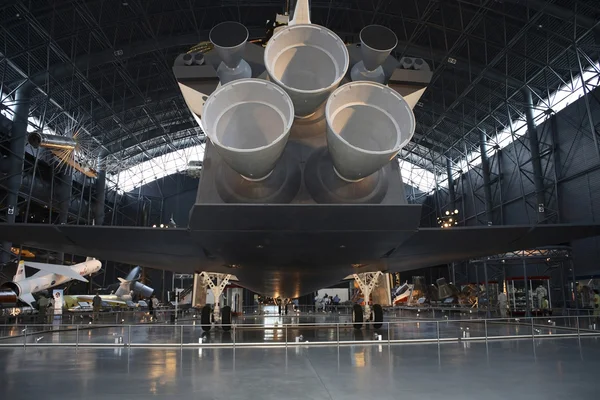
x: 59, y: 300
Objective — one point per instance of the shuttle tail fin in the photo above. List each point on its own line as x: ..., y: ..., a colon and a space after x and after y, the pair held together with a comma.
x: 20, y: 274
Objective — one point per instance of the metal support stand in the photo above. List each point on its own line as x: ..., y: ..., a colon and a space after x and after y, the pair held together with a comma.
x: 526, y: 288
x: 487, y: 291
x: 367, y: 282
x: 217, y: 289
x: 574, y: 300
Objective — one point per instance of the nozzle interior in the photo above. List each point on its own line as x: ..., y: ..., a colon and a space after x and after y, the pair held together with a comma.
x: 370, y: 117
x: 366, y: 127
x: 249, y: 125
x: 306, y: 57
x: 248, y: 121
x: 34, y: 139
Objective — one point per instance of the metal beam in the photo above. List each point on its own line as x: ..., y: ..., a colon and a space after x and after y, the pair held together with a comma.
x: 450, y: 183
x: 16, y: 157
x: 559, y: 12
x: 534, y: 147
x: 485, y: 172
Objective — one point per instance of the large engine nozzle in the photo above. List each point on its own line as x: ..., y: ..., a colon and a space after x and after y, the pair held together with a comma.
x: 39, y: 139
x: 249, y: 121
x: 142, y: 290
x: 229, y: 40
x: 377, y: 42
x: 8, y: 298
x: 367, y: 125
x: 308, y: 62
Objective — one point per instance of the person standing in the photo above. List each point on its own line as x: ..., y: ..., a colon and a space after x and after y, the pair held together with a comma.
x: 50, y: 310
x: 155, y: 304
x: 97, y: 304
x: 597, y: 306
x: 545, y: 306
x: 43, y: 304
x: 151, y: 308
x: 502, y: 303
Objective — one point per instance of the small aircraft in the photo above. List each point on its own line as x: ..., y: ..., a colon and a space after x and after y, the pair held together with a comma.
x: 22, y: 287
x: 128, y: 286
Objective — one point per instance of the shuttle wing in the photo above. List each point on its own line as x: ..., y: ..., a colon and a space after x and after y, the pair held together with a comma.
x: 307, y: 247
x: 171, y: 249
x: 434, y: 246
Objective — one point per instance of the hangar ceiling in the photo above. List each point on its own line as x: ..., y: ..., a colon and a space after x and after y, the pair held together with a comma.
x: 105, y: 65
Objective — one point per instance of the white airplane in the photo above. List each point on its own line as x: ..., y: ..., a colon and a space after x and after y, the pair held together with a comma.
x: 124, y: 293
x: 48, y: 276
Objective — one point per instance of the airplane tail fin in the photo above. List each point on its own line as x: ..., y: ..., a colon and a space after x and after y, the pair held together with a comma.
x: 124, y: 287
x: 20, y: 275
x: 89, y: 258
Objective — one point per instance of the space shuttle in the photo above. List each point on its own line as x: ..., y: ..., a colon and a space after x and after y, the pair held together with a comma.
x: 22, y: 287
x: 300, y: 184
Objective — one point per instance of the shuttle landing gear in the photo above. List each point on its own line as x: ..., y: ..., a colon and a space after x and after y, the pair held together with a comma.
x: 367, y: 282
x: 282, y: 305
x: 216, y: 315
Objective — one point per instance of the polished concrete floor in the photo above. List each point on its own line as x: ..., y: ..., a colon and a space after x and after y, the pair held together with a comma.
x: 544, y: 369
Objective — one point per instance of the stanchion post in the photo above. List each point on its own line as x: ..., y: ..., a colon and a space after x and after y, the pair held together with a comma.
x: 388, y: 333
x: 337, y: 326
x: 77, y: 336
x: 486, y: 330
x: 181, y: 336
x: 25, y: 337
x: 532, y: 329
x: 129, y: 336
x: 577, y: 322
x: 285, y: 333
x: 437, y: 324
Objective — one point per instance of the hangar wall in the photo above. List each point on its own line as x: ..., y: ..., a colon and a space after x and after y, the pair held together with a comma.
x: 571, y: 169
